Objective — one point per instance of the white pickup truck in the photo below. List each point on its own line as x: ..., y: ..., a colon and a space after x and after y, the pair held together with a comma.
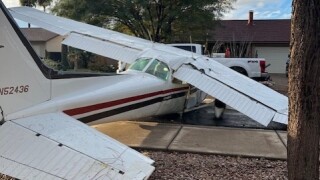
x: 254, y: 68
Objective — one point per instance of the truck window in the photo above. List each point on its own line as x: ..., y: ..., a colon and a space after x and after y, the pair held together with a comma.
x: 187, y: 48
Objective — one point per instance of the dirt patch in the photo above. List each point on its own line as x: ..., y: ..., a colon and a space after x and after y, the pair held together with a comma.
x: 280, y: 83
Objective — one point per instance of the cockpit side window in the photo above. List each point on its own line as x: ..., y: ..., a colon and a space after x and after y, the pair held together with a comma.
x: 140, y: 64
x: 159, y: 69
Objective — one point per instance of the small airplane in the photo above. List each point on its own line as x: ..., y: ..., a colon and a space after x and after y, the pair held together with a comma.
x: 43, y: 111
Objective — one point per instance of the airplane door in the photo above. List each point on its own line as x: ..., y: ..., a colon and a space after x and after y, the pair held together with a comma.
x: 174, y: 95
x: 174, y: 98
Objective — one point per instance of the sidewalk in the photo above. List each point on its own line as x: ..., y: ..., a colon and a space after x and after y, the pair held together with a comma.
x: 199, y: 139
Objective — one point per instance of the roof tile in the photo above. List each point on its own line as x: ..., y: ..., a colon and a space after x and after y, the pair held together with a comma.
x: 262, y: 31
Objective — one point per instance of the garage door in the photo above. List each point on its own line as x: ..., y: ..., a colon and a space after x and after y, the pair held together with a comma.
x: 276, y: 56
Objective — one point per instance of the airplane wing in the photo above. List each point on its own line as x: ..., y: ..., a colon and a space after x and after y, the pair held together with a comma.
x: 243, y: 94
x: 249, y: 97
x: 56, y: 146
x: 101, y: 41
x: 83, y: 36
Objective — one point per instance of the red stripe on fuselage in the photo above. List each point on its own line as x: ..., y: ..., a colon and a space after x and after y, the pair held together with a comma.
x: 82, y: 110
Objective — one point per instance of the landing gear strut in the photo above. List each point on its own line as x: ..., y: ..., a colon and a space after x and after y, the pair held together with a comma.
x: 219, y: 108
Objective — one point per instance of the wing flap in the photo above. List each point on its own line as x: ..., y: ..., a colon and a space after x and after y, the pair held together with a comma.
x: 241, y: 93
x: 102, y: 47
x: 24, y: 172
x: 55, y: 146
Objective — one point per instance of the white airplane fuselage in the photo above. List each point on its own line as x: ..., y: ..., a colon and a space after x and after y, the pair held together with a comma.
x: 128, y: 96
x: 135, y: 96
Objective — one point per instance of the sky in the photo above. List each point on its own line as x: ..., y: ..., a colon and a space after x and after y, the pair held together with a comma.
x: 11, y: 3
x: 263, y: 9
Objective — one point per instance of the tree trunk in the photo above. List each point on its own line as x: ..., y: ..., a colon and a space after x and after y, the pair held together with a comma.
x: 304, y: 91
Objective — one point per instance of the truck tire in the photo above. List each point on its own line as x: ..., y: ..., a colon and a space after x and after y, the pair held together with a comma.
x: 240, y: 70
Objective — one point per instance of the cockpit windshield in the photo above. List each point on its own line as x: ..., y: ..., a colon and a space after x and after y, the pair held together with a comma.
x: 140, y: 64
x: 152, y: 66
x: 159, y: 69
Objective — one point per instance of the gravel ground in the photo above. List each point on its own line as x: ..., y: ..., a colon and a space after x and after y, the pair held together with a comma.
x: 187, y: 166
x: 4, y: 177
x: 174, y: 165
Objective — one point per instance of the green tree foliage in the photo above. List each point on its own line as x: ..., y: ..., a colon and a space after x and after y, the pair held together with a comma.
x: 87, y: 11
x: 31, y: 3
x: 44, y: 3
x: 159, y: 20
x: 34, y: 3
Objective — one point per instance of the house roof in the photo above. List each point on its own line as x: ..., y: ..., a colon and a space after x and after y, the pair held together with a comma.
x: 260, y: 31
x: 38, y: 34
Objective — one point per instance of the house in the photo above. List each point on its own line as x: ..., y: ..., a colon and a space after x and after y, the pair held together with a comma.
x: 45, y: 43
x: 267, y: 39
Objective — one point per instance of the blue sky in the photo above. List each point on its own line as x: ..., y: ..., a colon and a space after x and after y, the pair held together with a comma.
x: 263, y: 9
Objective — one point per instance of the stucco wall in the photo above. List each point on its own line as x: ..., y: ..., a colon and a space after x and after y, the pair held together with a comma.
x: 39, y: 48
x: 54, y: 44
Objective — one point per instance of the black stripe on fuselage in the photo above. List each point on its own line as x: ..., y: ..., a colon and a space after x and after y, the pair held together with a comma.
x: 120, y: 110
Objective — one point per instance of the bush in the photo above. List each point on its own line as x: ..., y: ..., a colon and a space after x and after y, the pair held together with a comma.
x: 52, y: 64
x: 101, y: 64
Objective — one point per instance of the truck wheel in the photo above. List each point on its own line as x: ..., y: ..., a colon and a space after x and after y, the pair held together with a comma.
x: 240, y: 70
